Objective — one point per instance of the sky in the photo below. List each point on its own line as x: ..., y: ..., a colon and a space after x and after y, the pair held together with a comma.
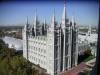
x: 15, y: 13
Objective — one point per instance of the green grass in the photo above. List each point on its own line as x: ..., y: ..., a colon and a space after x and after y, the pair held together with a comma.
x: 89, y: 58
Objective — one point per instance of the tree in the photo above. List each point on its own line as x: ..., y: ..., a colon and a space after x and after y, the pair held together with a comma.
x: 88, y: 52
x: 13, y: 63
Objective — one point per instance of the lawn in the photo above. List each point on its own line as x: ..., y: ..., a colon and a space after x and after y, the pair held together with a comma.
x: 89, y: 58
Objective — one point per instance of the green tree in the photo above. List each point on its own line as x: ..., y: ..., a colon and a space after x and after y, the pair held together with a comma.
x: 13, y: 63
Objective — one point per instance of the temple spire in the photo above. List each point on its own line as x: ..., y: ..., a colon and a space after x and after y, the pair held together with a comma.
x: 73, y: 22
x: 35, y: 22
x: 27, y: 20
x: 44, y: 24
x: 64, y: 16
x: 53, y: 20
x: 26, y: 25
x: 64, y: 12
x: 89, y: 30
x: 53, y: 17
x: 35, y: 15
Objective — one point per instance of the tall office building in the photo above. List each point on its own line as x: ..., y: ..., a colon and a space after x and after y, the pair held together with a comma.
x: 54, y: 47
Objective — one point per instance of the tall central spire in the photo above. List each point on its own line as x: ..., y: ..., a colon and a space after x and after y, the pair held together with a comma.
x: 64, y: 16
x: 64, y: 12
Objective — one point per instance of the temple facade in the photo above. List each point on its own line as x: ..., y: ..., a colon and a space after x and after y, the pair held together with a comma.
x: 54, y: 47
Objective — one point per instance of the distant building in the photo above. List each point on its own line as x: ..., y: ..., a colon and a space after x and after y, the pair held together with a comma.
x: 54, y: 47
x: 86, y: 39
